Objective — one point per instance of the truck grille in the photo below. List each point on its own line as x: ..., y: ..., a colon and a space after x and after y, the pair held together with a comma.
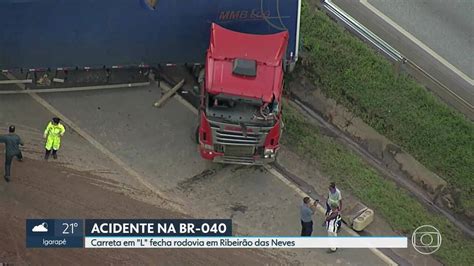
x: 236, y: 138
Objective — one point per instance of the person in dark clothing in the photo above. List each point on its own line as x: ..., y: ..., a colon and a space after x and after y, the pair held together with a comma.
x: 12, y: 149
x: 307, y: 211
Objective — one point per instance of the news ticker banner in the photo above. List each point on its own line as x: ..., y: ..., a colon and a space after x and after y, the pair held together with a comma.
x: 176, y: 233
x: 246, y: 242
x: 73, y: 233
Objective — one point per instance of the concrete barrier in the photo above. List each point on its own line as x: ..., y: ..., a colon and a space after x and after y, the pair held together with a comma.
x: 393, y: 156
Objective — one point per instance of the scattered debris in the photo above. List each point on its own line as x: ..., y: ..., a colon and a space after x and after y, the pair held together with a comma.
x: 239, y: 207
x: 169, y: 93
x: 44, y: 81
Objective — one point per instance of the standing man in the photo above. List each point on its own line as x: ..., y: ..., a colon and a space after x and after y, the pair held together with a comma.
x: 12, y: 149
x: 333, y: 219
x: 334, y: 197
x: 53, y: 133
x: 306, y: 213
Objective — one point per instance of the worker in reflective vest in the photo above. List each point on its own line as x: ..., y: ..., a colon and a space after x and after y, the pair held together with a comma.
x: 53, y: 133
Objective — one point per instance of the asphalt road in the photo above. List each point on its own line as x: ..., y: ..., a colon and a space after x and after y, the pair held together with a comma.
x: 447, y: 27
x: 435, y: 35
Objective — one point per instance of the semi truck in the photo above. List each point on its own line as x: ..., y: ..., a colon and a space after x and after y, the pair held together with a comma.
x: 240, y: 47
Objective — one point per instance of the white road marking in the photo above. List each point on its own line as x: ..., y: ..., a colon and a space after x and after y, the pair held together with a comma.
x: 417, y: 42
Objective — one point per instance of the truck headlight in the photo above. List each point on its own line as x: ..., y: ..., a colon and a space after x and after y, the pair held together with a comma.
x: 208, y: 147
x: 269, y: 151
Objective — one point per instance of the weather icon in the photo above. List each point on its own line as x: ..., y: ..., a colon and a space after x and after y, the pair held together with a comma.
x: 41, y: 228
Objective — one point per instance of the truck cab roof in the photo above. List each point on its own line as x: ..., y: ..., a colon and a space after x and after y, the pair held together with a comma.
x: 246, y: 65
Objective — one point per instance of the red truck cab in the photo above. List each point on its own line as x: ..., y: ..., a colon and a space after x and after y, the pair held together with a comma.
x: 240, y: 109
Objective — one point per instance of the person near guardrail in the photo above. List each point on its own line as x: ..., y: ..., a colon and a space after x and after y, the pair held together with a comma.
x: 53, y: 133
x: 332, y: 223
x: 307, y: 211
x: 12, y: 149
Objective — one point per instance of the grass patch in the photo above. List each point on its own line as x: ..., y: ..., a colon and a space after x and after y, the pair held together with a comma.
x: 402, y: 212
x: 350, y: 72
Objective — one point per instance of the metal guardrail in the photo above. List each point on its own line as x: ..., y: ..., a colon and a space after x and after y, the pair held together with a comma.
x: 362, y: 30
x: 15, y: 81
x: 439, y: 83
x: 75, y: 89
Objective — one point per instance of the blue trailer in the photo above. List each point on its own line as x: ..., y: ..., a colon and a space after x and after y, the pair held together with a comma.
x: 55, y: 34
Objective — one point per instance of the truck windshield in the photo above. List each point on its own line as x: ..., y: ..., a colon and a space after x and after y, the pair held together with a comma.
x: 240, y: 110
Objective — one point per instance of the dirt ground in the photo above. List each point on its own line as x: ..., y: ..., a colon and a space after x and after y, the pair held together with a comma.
x: 49, y: 190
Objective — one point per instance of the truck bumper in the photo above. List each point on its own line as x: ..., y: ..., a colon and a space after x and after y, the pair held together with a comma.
x: 243, y: 160
x: 221, y: 158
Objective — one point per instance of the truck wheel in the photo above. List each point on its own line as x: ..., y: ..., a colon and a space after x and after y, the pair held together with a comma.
x: 196, y: 135
x: 292, y: 67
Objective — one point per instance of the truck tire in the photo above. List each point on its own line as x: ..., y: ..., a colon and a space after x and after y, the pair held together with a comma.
x: 291, y: 67
x: 196, y: 135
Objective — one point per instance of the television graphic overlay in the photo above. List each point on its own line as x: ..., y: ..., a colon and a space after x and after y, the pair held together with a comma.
x: 426, y: 239
x: 54, y: 233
